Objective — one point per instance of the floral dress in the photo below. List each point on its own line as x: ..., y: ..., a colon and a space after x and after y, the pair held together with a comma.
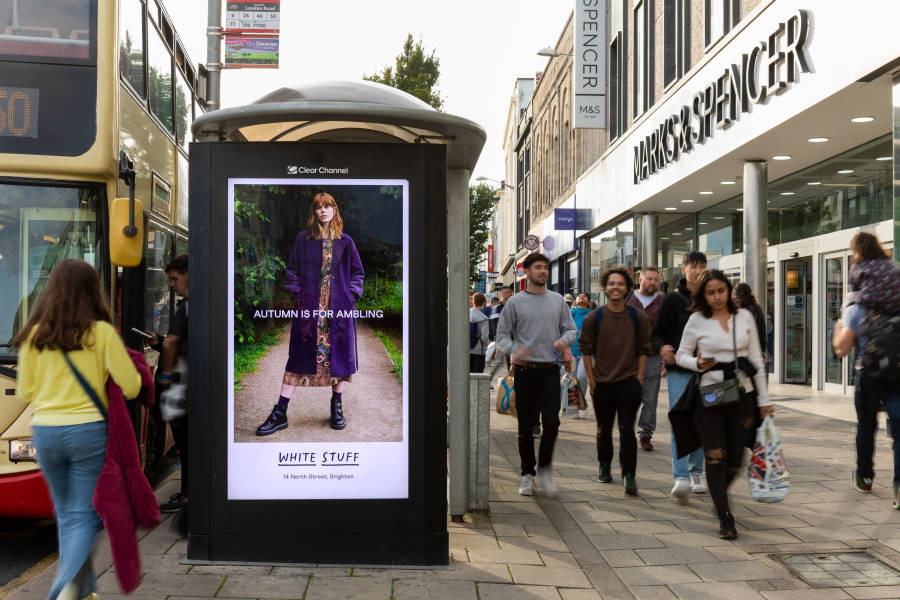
x: 322, y: 377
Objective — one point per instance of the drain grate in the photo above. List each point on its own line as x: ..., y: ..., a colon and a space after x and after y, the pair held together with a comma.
x: 845, y: 569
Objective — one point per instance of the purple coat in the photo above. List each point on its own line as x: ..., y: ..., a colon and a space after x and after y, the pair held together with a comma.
x: 304, y: 276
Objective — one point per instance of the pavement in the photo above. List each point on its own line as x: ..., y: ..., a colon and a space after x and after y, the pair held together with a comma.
x: 594, y: 542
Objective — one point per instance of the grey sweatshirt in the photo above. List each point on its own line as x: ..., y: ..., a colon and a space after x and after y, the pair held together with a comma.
x: 535, y: 321
x: 476, y: 316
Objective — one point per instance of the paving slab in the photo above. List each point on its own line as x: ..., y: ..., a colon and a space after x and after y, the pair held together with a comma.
x: 557, y: 576
x: 496, y: 591
x: 414, y: 589
x: 715, y: 591
x: 658, y: 575
x: 264, y: 586
x: 347, y: 588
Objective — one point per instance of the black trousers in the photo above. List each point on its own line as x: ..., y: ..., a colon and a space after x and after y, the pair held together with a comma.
x: 476, y: 363
x: 180, y: 433
x: 622, y: 398
x: 537, y: 395
x: 725, y: 432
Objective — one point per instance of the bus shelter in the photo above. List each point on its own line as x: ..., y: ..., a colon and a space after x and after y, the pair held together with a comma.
x: 377, y: 314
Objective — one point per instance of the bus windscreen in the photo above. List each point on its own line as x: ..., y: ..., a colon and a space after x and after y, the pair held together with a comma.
x: 59, y: 29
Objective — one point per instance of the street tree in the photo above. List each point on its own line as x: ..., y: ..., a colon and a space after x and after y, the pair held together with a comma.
x: 481, y: 210
x: 415, y: 72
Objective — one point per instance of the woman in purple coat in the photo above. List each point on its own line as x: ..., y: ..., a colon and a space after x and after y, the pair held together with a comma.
x: 325, y: 275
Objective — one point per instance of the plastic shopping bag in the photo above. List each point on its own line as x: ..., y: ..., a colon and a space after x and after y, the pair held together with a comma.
x: 767, y: 472
x: 506, y: 395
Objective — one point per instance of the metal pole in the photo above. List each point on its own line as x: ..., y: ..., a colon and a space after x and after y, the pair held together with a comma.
x: 214, y: 54
x: 458, y: 336
x: 649, y: 240
x: 756, y: 228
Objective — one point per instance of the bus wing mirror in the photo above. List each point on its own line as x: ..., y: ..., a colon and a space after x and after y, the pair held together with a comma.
x: 125, y: 250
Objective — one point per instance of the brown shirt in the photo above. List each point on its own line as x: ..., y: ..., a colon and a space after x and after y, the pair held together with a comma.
x: 613, y: 357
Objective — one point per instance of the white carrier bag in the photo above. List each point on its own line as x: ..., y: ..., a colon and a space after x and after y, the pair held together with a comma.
x: 767, y: 472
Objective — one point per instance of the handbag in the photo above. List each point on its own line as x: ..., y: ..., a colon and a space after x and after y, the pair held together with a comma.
x: 767, y: 472
x: 724, y: 392
x: 506, y: 395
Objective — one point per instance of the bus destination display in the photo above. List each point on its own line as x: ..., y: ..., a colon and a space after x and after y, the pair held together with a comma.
x: 19, y: 112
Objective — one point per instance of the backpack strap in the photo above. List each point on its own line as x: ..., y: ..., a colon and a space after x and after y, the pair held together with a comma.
x: 86, y: 386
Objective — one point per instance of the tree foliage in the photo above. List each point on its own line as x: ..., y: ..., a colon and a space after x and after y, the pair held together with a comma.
x: 481, y: 210
x: 414, y: 72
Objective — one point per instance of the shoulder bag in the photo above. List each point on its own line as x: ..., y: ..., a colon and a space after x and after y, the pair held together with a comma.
x: 725, y: 392
x: 86, y: 386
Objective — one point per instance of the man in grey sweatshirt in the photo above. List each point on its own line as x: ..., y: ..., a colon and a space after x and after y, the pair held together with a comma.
x: 535, y: 329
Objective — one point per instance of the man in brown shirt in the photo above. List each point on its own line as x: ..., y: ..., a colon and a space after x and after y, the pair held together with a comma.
x: 615, y: 354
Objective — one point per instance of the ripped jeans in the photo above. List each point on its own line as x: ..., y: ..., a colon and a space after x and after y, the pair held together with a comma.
x: 724, y: 432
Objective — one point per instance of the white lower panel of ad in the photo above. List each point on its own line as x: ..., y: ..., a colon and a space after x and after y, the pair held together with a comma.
x: 272, y: 471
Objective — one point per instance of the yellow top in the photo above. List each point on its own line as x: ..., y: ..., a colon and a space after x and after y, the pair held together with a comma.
x: 58, y: 399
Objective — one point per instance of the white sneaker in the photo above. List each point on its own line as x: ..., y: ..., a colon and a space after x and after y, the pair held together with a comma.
x: 527, y: 487
x: 681, y: 488
x: 697, y: 485
x: 545, y: 481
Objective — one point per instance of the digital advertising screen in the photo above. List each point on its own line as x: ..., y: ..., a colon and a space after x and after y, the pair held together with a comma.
x: 318, y: 397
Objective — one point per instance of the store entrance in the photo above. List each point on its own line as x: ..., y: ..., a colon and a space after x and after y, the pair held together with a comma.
x: 798, y: 320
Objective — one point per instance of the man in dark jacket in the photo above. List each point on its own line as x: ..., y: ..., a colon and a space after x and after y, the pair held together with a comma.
x: 673, y: 316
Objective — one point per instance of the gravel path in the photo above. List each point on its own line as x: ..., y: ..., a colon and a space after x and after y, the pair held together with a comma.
x: 373, y: 401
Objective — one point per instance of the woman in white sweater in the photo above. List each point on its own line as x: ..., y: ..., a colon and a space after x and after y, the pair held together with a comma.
x: 712, y: 334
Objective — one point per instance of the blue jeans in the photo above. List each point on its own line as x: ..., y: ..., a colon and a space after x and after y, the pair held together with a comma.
x: 71, y: 458
x: 869, y: 395
x: 693, y: 462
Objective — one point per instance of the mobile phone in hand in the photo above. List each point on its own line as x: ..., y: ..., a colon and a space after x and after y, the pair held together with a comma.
x: 143, y: 333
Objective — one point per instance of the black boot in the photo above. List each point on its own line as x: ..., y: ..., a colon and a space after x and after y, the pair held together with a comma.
x: 337, y: 412
x: 727, y: 530
x: 276, y: 421
x: 605, y: 475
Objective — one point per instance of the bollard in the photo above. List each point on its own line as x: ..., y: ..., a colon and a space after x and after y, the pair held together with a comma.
x: 479, y: 440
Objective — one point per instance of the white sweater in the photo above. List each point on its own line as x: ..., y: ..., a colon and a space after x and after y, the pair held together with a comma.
x: 707, y: 336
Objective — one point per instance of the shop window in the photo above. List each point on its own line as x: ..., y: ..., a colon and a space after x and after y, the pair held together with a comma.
x: 719, y: 17
x: 615, y: 246
x: 676, y: 39
x: 676, y: 238
x: 721, y: 229
x: 643, y: 61
x: 618, y: 72
x: 131, y: 45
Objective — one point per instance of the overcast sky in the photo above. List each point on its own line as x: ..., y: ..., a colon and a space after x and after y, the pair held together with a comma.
x: 483, y: 45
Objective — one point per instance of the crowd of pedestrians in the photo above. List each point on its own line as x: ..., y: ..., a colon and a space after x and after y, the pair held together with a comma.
x: 708, y: 339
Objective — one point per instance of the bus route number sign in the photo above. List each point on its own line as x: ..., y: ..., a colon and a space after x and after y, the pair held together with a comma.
x: 19, y: 112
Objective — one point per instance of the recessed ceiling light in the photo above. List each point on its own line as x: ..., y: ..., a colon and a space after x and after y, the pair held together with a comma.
x: 862, y: 119
x: 688, y: 228
x: 671, y: 208
x: 739, y: 209
x: 676, y: 233
x: 787, y: 193
x: 663, y: 238
x: 727, y: 182
x: 687, y: 201
x: 845, y: 171
x: 718, y: 218
x: 705, y: 193
x: 884, y: 158
x: 782, y: 157
x: 813, y: 183
x: 704, y: 223
x: 818, y: 140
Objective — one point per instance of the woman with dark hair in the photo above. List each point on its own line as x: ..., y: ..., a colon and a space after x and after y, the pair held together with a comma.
x: 721, y: 343
x: 744, y: 298
x: 69, y: 335
x: 325, y: 275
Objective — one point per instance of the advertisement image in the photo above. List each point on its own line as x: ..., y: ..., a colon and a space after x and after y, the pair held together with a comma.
x: 318, y: 400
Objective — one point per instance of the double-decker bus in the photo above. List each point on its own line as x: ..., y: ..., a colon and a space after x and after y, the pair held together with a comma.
x: 87, y: 86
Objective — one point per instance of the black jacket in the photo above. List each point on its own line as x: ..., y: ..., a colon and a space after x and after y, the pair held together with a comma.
x: 673, y: 316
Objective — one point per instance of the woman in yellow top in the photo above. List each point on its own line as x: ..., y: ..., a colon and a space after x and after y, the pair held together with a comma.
x: 72, y: 319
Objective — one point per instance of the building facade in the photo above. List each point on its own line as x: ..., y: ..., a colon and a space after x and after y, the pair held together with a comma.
x: 756, y: 132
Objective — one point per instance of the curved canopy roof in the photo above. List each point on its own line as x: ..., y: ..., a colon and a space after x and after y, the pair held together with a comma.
x: 345, y: 111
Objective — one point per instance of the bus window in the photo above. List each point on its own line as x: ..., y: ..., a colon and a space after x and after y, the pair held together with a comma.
x: 181, y: 206
x: 59, y: 29
x: 131, y: 44
x: 160, y: 62
x: 182, y: 110
x: 39, y: 227
x: 158, y: 299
